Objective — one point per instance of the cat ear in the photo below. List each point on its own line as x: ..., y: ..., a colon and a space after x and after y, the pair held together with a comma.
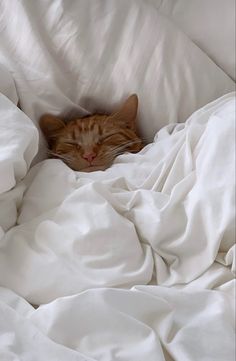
x: 50, y: 124
x: 128, y: 112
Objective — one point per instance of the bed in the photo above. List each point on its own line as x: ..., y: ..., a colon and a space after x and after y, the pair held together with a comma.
x: 136, y: 262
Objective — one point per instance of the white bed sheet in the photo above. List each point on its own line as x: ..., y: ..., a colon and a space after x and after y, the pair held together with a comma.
x: 163, y: 217
x: 137, y: 262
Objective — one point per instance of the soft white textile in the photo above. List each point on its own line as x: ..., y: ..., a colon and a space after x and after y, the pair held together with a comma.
x: 7, y: 85
x: 86, y: 55
x: 157, y: 227
x: 18, y: 144
x: 168, y: 209
x: 146, y: 323
x: 164, y: 216
x: 209, y: 23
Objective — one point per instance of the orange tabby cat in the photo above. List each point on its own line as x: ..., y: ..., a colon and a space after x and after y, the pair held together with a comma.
x: 92, y: 143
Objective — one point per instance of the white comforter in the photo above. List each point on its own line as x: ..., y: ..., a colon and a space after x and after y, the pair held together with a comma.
x: 163, y: 217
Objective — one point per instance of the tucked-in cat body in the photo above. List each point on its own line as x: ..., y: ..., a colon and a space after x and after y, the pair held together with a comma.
x: 93, y: 142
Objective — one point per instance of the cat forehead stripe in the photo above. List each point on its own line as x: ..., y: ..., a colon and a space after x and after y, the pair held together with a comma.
x: 86, y: 125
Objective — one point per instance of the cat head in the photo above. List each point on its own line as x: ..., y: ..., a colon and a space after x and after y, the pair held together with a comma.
x: 92, y: 143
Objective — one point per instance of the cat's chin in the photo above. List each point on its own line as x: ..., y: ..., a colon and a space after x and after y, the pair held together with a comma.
x: 89, y: 169
x: 94, y: 168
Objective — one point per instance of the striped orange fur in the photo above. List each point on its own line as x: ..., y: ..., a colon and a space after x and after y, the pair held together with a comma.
x: 93, y: 142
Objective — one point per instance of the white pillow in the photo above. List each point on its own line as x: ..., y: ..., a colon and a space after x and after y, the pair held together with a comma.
x: 7, y: 85
x: 90, y: 55
x: 18, y: 144
x: 209, y: 23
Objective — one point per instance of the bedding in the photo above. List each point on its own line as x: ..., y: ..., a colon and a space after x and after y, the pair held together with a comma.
x: 129, y: 248
x: 209, y: 23
x: 137, y: 262
x: 87, y: 56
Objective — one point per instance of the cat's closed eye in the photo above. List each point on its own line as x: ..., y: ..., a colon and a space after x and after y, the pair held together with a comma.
x: 92, y: 143
x: 71, y: 142
x: 106, y: 137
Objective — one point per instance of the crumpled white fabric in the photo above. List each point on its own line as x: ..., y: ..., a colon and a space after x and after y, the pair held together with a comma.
x: 7, y: 85
x: 158, y: 227
x: 18, y: 142
x: 201, y: 20
x: 18, y: 146
x: 165, y: 215
x: 148, y: 322
x: 83, y: 56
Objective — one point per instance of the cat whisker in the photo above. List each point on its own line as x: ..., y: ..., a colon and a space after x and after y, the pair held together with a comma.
x: 126, y: 144
x: 122, y: 147
x: 60, y: 156
x: 147, y: 140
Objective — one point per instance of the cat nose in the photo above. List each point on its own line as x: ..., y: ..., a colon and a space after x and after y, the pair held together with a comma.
x: 89, y: 156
